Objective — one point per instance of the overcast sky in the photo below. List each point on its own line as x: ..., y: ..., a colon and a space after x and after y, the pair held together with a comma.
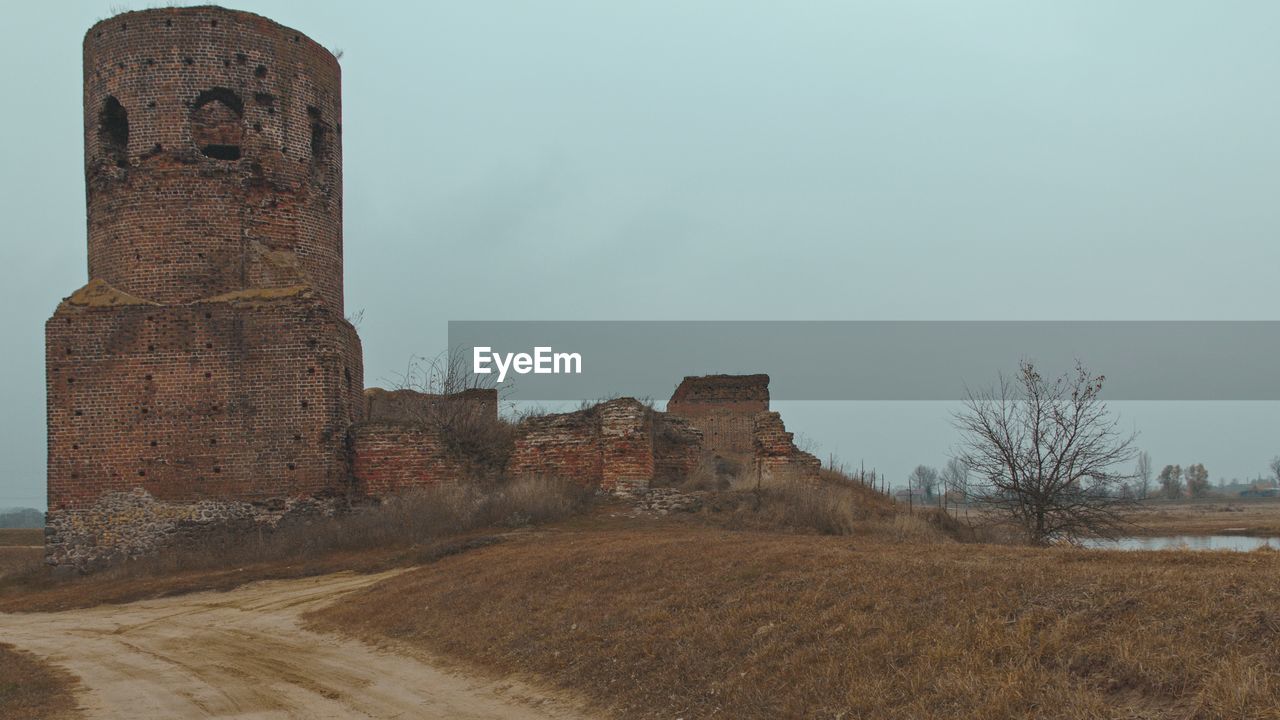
x: 1013, y: 159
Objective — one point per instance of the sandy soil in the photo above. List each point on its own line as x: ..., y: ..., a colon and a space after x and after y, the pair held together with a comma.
x: 243, y: 654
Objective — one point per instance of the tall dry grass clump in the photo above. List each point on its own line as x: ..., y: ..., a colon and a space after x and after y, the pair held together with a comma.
x: 399, y: 521
x: 826, y: 507
x: 412, y: 527
x: 834, y: 504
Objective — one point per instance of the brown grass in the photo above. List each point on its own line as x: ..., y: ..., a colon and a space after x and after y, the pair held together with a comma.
x: 21, y: 552
x: 675, y: 620
x: 408, y: 529
x: 21, y: 537
x: 20, y: 561
x: 32, y: 689
x: 835, y: 505
x: 1244, y: 516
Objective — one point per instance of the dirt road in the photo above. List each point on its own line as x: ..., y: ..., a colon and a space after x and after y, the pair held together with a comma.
x: 244, y: 654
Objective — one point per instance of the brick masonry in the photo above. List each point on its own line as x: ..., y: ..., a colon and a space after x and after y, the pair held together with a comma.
x: 723, y: 408
x: 677, y: 449
x: 623, y: 446
x: 411, y: 405
x: 626, y: 446
x: 610, y: 446
x: 390, y: 456
x: 205, y: 376
x: 206, y: 372
x: 775, y: 452
x: 567, y: 445
x: 213, y: 155
x: 238, y: 398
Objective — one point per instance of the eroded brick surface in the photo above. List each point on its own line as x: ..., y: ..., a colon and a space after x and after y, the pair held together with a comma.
x: 212, y: 155
x: 723, y: 408
x: 388, y: 457
x: 566, y: 445
x: 776, y: 454
x: 677, y: 449
x: 206, y: 372
x: 626, y: 446
x: 231, y: 399
x: 414, y: 406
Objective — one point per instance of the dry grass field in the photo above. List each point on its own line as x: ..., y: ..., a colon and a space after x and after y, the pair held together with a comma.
x: 670, y: 618
x: 1210, y: 516
x: 782, y: 602
x: 32, y: 689
x: 21, y: 537
x: 21, y: 552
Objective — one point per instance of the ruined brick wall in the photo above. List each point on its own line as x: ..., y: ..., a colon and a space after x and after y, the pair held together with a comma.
x: 389, y: 457
x: 677, y: 449
x: 723, y: 408
x: 619, y: 446
x: 776, y: 454
x: 565, y: 445
x: 212, y: 155
x: 626, y: 445
x: 413, y: 406
x: 247, y: 397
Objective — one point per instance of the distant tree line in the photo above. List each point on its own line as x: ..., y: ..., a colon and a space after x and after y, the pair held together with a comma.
x: 1174, y: 481
x: 21, y: 518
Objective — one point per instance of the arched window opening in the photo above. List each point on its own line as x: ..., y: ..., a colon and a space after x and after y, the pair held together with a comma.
x: 216, y: 126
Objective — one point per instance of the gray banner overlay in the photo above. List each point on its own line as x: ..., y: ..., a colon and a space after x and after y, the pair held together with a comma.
x: 887, y: 360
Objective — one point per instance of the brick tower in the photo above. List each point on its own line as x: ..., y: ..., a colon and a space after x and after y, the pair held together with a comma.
x: 206, y: 373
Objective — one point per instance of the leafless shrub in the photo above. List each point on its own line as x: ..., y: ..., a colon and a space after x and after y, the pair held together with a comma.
x: 469, y: 429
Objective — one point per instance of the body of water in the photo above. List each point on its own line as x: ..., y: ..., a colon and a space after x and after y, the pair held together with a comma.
x: 1241, y: 543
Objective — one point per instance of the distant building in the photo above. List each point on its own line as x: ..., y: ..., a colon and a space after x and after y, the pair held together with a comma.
x: 1261, y: 492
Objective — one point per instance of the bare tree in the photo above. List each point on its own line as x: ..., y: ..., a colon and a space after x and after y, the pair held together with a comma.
x: 1275, y: 468
x: 1142, y: 475
x: 924, y: 479
x: 1044, y: 452
x: 1197, y: 480
x: 1171, y: 481
x: 955, y: 479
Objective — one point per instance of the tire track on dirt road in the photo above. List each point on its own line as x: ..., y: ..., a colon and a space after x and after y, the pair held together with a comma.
x: 244, y: 654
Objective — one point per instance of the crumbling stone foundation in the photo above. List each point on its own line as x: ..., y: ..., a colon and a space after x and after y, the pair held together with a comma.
x: 130, y: 525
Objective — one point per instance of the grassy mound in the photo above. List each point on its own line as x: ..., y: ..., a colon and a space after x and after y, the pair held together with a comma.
x: 676, y: 620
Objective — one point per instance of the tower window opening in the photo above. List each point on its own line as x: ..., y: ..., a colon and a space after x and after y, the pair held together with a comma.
x: 319, y: 131
x: 216, y: 126
x: 113, y: 131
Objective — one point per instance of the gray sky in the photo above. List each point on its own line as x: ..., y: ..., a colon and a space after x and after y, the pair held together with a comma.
x: 1014, y: 159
